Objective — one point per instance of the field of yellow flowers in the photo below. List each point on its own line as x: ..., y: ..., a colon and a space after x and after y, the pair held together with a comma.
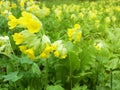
x: 45, y: 45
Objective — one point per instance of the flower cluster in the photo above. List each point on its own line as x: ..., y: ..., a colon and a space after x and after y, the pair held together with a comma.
x: 31, y: 41
x: 60, y: 49
x: 75, y: 33
x: 5, y: 46
x: 27, y: 20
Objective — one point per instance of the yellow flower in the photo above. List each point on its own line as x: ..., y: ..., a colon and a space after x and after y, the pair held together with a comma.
x: 53, y: 47
x: 31, y: 1
x: 1, y: 2
x: 30, y: 22
x: 56, y: 53
x: 33, y: 26
x: 60, y: 50
x: 14, y: 5
x: 5, y: 46
x: 22, y: 2
x: 70, y: 32
x: 46, y: 52
x: 64, y: 56
x: 18, y: 38
x: 77, y: 26
x: 44, y: 55
x: 30, y: 53
x: 47, y: 11
x: 5, y: 13
x: 23, y: 48
x: 13, y: 22
x: 74, y: 34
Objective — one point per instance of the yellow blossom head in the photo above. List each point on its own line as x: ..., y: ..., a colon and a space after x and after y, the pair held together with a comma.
x: 30, y: 22
x: 56, y: 53
x: 30, y: 53
x: 14, y: 5
x: 23, y: 48
x: 46, y: 52
x: 77, y: 26
x: 60, y: 51
x: 44, y: 55
x: 18, y: 38
x: 13, y: 22
x: 75, y: 34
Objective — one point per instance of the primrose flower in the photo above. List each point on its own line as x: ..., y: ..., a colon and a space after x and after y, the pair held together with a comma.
x: 30, y: 22
x: 30, y: 53
x: 37, y: 11
x: 46, y: 10
x: 5, y: 46
x: 45, y: 40
x: 13, y: 22
x: 98, y: 46
x: 70, y: 33
x: 5, y: 13
x: 14, y: 5
x: 44, y: 55
x: 58, y: 13
x: 18, y: 38
x: 75, y: 33
x: 46, y: 52
x: 22, y: 3
x: 23, y: 48
x: 60, y: 50
x: 5, y: 38
x: 77, y: 26
x: 56, y: 53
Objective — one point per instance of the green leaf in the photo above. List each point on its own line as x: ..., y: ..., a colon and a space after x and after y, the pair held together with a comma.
x: 87, y: 57
x: 113, y: 64
x: 82, y: 74
x: 78, y: 87
x: 116, y: 80
x: 13, y: 76
x: 35, y: 69
x: 56, y: 87
x: 25, y: 60
x: 74, y: 60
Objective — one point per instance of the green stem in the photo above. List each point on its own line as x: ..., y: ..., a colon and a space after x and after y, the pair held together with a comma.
x: 111, y: 79
x: 46, y: 74
x: 70, y: 76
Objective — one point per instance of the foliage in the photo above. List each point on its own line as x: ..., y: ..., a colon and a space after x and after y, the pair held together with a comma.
x: 59, y: 46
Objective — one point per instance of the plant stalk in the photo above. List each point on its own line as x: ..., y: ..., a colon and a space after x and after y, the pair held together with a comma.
x: 70, y: 76
x: 46, y: 74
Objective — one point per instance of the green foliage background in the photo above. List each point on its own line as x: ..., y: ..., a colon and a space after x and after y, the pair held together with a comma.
x: 85, y: 68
